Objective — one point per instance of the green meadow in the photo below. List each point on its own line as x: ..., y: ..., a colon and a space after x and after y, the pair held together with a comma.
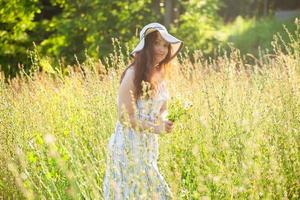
x: 240, y: 140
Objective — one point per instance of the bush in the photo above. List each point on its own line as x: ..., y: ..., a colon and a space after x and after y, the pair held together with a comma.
x: 198, y: 25
x: 250, y: 34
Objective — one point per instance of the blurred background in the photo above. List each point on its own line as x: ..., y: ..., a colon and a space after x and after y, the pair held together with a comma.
x: 70, y: 31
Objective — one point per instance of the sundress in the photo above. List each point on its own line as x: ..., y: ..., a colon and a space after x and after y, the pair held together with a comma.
x: 131, y: 167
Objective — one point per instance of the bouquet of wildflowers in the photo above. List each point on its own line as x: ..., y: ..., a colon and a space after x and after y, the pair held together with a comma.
x: 178, y: 108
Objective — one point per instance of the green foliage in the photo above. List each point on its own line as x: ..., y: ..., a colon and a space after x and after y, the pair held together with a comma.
x: 250, y: 34
x: 79, y: 28
x: 178, y: 109
x: 67, y: 31
x: 16, y: 20
x: 90, y: 25
x: 198, y: 25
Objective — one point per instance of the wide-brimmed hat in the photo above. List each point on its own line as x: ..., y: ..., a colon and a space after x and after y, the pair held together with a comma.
x: 176, y: 44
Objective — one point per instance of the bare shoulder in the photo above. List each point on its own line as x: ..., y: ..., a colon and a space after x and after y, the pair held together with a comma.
x: 129, y: 76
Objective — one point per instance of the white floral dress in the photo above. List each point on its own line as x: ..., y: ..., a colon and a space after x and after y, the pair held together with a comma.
x: 131, y: 168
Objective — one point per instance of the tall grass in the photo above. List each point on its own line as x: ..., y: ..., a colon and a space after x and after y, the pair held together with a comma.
x: 241, y: 140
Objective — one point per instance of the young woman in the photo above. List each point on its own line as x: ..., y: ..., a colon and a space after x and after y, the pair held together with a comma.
x: 131, y: 170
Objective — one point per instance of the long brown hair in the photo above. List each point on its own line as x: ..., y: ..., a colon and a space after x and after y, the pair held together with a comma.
x: 143, y: 67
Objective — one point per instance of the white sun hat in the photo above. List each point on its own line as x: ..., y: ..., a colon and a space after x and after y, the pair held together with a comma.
x: 149, y: 28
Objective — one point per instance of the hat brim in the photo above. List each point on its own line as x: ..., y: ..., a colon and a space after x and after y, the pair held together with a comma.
x: 176, y: 44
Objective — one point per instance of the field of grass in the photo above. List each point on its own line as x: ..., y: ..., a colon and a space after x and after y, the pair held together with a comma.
x: 240, y: 141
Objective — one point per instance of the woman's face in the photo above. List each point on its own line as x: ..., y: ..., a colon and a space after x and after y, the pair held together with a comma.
x: 160, y: 49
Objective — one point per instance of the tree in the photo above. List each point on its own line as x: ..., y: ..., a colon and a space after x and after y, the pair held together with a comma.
x: 90, y: 25
x: 16, y: 22
x: 198, y: 24
x: 64, y: 28
x: 168, y: 16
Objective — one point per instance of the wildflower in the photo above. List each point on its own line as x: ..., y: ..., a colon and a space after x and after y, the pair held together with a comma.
x: 177, y: 109
x: 49, y: 139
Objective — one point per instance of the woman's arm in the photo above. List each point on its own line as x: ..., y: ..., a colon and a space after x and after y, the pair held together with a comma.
x: 126, y: 106
x: 163, y: 111
x: 163, y: 108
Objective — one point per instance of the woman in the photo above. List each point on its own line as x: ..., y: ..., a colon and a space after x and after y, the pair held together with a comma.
x: 131, y: 170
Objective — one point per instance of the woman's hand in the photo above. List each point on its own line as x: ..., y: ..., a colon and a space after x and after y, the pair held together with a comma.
x: 168, y: 126
x: 164, y: 126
